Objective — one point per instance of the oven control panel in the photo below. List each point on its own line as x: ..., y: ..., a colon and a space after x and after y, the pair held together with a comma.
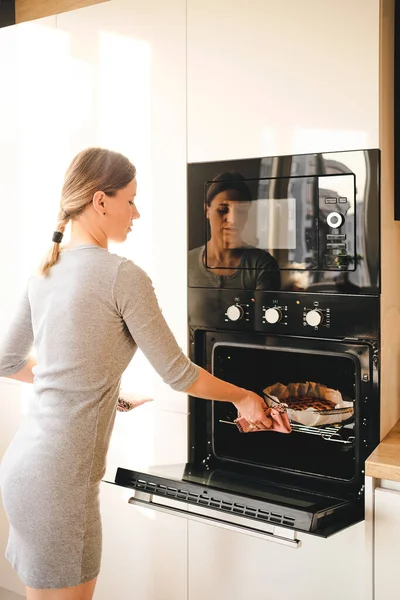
x: 288, y: 313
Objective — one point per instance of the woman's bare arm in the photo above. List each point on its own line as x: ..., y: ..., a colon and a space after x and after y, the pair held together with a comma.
x: 211, y: 388
x: 251, y: 406
x: 25, y: 374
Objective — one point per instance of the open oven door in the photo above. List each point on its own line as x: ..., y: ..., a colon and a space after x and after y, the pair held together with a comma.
x: 227, y: 499
x: 308, y: 481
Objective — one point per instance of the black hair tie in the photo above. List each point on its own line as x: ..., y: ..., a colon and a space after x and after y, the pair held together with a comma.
x: 57, y: 237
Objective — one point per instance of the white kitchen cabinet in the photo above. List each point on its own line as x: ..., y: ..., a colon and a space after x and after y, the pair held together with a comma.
x: 387, y: 543
x: 144, y: 552
x: 268, y: 78
x: 227, y: 565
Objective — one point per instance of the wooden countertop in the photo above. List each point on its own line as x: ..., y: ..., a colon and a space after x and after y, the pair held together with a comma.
x: 384, y: 462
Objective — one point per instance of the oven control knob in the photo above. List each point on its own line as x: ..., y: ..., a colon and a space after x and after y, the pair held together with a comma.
x: 272, y: 315
x: 235, y: 312
x: 335, y: 220
x: 314, y: 318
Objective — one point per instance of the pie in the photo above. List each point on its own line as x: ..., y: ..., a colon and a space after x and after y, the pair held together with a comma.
x: 305, y: 395
x: 309, y: 403
x: 305, y: 402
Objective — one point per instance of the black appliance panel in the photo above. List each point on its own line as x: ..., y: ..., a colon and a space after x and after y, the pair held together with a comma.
x: 296, y: 223
x: 396, y: 112
x: 228, y: 492
x: 285, y: 313
x: 7, y: 13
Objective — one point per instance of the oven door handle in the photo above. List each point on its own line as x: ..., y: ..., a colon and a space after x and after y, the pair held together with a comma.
x: 146, y: 500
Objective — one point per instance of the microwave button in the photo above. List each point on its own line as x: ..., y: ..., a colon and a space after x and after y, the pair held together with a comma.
x: 336, y: 236
x: 330, y: 200
x: 272, y: 315
x: 336, y: 261
x: 335, y: 220
x: 336, y: 245
x: 342, y: 200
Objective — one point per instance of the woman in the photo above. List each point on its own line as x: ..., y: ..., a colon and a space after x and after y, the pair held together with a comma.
x: 86, y: 314
x: 227, y: 261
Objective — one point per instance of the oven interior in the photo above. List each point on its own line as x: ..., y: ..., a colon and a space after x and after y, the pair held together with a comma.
x: 330, y: 451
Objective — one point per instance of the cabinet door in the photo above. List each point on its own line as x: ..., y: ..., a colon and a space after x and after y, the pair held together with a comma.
x: 264, y: 78
x: 387, y: 543
x: 232, y: 566
x: 144, y: 553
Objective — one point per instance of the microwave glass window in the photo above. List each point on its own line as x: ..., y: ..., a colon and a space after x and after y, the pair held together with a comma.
x: 290, y: 223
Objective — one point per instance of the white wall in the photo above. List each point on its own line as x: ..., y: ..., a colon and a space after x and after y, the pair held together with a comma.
x: 263, y: 77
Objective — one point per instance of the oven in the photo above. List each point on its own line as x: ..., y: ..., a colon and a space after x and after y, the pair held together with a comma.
x: 283, y: 299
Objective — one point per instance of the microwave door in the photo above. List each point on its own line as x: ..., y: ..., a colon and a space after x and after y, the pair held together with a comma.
x: 227, y: 499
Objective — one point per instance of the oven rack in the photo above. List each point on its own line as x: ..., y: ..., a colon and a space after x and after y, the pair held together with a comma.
x: 332, y: 433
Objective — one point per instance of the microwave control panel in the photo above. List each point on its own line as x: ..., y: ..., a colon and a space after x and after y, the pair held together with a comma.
x: 337, y: 222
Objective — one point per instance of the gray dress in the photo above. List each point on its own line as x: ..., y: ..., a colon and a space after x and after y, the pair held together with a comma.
x: 86, y: 320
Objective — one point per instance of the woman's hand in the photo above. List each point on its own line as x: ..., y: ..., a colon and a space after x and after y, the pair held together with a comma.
x: 254, y: 410
x: 25, y: 374
x: 129, y: 400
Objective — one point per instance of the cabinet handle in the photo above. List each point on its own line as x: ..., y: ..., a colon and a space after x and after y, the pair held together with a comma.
x: 143, y: 499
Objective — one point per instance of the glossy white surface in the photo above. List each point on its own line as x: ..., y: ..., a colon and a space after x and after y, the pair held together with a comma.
x: 269, y: 78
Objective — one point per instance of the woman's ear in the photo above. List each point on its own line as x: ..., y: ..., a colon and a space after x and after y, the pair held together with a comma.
x: 99, y: 203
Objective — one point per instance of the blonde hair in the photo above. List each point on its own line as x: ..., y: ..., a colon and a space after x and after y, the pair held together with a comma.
x: 92, y: 170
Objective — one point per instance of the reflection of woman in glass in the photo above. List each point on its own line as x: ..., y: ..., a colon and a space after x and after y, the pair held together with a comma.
x: 228, y: 261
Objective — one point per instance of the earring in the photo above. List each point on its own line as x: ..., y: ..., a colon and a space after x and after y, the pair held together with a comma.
x: 104, y: 213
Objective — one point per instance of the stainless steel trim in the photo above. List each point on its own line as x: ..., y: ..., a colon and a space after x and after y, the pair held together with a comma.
x: 144, y: 499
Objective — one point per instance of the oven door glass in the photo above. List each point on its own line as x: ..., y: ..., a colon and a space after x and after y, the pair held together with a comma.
x: 319, y: 383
